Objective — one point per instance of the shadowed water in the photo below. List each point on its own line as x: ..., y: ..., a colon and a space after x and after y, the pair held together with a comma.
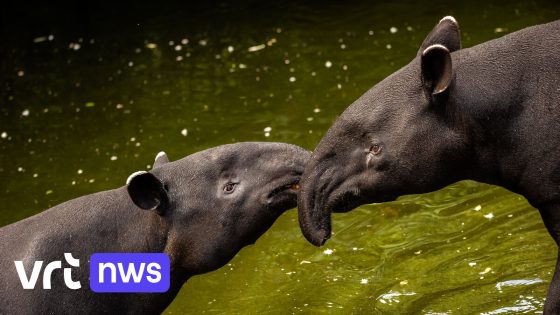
x: 90, y: 96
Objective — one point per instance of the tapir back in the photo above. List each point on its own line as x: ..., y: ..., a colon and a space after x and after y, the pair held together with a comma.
x: 81, y: 227
x: 510, y: 88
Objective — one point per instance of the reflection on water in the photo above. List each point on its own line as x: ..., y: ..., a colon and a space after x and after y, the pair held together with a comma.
x: 88, y: 97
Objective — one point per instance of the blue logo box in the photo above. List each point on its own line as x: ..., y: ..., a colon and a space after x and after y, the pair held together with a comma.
x: 129, y: 272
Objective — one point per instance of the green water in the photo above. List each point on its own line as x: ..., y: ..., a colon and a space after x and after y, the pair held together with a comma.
x: 82, y: 109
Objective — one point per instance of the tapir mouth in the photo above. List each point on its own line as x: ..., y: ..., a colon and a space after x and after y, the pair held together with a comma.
x: 291, y: 187
x: 345, y: 200
x: 284, y: 195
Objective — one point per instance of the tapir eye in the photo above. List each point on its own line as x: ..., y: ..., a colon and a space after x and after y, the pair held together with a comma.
x: 229, y: 187
x: 375, y: 149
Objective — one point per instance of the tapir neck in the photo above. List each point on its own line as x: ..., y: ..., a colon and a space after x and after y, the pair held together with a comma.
x: 130, y: 228
x: 146, y: 231
x: 510, y: 105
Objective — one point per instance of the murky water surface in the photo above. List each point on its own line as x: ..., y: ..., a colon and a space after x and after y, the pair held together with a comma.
x: 86, y: 99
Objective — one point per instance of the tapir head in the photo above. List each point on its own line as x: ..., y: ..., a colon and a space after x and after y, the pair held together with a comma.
x: 219, y: 200
x: 402, y: 136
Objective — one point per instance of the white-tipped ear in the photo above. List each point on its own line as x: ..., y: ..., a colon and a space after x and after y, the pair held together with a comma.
x: 445, y: 33
x: 161, y: 158
x: 160, y: 155
x: 131, y: 176
x: 449, y: 18
x: 147, y: 192
x: 434, y: 46
x: 437, y: 69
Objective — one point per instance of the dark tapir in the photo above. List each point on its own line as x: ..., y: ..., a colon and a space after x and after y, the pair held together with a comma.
x: 489, y: 113
x: 200, y: 210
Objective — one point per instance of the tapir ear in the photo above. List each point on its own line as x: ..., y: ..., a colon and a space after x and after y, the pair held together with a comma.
x: 445, y: 33
x: 147, y: 192
x: 161, y: 158
x: 437, y: 70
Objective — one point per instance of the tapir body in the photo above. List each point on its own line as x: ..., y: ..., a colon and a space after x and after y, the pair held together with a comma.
x: 200, y: 211
x: 489, y: 113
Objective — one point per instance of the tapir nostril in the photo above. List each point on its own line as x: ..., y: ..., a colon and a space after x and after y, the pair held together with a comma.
x: 321, y: 237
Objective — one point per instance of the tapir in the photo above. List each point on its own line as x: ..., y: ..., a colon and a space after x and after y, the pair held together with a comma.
x: 199, y: 210
x: 489, y: 113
